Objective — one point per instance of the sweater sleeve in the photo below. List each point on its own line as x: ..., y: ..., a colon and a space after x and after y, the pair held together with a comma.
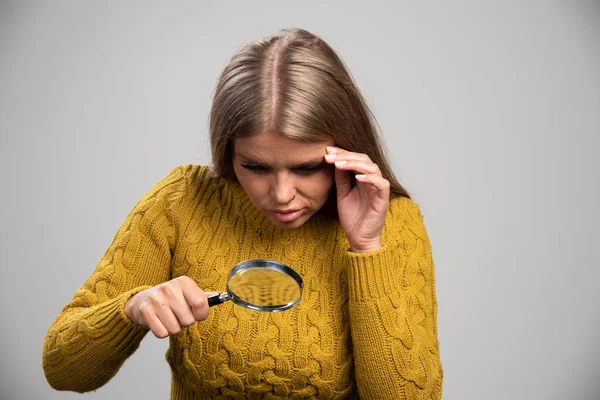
x: 393, y: 312
x: 92, y: 337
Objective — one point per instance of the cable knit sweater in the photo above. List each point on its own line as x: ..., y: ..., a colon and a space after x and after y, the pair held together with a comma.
x: 365, y: 327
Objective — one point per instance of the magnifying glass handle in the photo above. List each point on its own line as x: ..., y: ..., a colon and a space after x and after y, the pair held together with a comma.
x: 217, y: 299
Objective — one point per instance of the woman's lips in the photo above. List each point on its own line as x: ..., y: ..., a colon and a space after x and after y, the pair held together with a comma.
x: 287, y: 215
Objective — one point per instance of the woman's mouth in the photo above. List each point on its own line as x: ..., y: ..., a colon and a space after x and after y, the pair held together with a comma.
x: 287, y: 215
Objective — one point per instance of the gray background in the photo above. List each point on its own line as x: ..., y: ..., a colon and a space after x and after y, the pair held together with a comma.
x: 491, y: 114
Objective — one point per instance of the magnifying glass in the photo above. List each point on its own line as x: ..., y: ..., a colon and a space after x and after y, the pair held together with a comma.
x: 261, y: 285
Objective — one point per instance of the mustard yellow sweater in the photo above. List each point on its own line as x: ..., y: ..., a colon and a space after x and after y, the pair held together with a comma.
x: 366, y: 324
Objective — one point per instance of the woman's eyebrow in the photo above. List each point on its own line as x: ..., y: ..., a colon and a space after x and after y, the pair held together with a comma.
x: 312, y: 163
x: 241, y: 154
x: 245, y: 157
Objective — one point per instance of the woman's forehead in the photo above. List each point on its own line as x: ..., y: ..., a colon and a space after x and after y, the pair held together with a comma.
x: 270, y: 144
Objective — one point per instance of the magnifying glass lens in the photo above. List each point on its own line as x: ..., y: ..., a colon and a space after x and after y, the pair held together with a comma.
x: 261, y: 285
x: 264, y: 287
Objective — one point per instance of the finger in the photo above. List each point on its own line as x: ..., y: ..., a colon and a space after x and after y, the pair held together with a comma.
x: 332, y: 158
x: 154, y: 324
x: 160, y: 303
x: 378, y: 182
x: 196, y: 299
x: 343, y: 184
x: 359, y: 166
x: 183, y: 312
x: 168, y: 319
x: 347, y: 155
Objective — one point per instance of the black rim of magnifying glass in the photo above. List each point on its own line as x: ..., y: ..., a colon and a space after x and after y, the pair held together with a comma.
x: 267, y: 264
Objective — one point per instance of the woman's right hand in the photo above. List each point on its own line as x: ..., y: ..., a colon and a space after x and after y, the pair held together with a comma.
x: 168, y: 307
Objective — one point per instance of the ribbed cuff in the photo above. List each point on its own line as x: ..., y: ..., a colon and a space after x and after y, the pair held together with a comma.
x: 371, y: 274
x: 179, y: 391
x: 88, y: 356
x: 122, y: 300
x: 110, y: 325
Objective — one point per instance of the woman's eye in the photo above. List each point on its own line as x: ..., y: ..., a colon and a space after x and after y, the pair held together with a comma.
x: 304, y: 170
x: 258, y: 169
x: 310, y: 169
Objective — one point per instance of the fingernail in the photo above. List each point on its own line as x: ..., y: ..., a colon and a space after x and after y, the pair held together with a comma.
x: 331, y: 149
x: 330, y: 156
x: 340, y: 163
x: 361, y: 176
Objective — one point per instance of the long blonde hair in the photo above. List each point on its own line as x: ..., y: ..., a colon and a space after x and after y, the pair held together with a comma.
x: 295, y: 84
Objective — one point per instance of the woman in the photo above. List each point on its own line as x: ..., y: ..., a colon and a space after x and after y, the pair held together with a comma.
x: 298, y: 176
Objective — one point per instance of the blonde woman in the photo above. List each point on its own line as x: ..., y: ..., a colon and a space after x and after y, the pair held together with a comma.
x: 299, y: 175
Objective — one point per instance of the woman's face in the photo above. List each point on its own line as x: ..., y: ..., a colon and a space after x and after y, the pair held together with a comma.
x: 286, y: 179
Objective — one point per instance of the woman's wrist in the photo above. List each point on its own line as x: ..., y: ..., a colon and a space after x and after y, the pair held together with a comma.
x: 367, y: 248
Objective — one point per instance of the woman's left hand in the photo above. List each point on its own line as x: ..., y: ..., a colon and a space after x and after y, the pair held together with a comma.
x: 362, y: 207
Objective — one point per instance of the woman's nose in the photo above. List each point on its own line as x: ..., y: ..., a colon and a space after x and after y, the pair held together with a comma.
x: 283, y: 190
